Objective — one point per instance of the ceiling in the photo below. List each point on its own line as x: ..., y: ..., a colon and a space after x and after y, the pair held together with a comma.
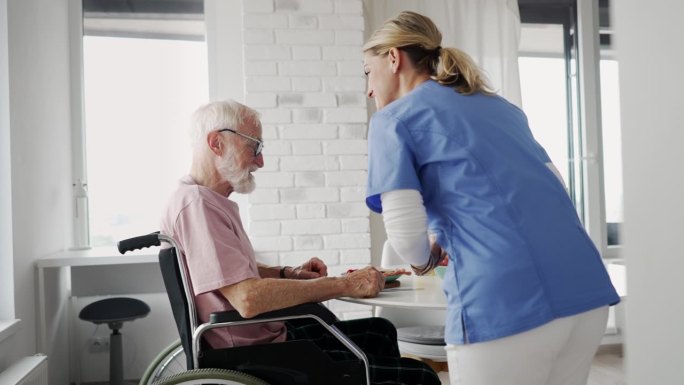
x: 184, y: 18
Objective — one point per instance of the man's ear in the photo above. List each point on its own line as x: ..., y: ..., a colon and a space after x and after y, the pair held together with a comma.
x: 394, y: 57
x: 215, y: 143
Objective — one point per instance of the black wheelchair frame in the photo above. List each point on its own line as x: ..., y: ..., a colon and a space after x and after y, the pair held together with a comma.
x: 296, y: 362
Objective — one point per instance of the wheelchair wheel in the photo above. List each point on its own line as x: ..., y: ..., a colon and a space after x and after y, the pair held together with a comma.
x: 170, y: 361
x: 211, y: 376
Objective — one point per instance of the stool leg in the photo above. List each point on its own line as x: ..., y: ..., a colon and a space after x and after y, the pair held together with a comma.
x: 115, y: 358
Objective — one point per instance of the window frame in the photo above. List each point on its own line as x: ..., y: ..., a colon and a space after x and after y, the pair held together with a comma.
x: 79, y: 173
x: 590, y: 102
x: 580, y: 20
x: 223, y: 35
x: 7, y: 303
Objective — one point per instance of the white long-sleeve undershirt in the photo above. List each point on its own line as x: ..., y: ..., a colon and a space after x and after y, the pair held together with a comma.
x: 406, y: 224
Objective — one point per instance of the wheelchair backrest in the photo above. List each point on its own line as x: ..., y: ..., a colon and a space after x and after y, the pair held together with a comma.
x: 171, y: 273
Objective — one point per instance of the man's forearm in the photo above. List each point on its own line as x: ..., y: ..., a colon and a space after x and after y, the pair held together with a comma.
x: 258, y: 295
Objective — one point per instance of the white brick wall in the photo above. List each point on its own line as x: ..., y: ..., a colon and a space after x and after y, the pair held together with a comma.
x: 303, y: 72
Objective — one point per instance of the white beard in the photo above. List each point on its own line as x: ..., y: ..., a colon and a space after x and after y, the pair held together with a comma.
x: 242, y: 180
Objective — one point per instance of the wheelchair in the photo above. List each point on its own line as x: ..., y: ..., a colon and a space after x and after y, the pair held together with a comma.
x: 189, y: 361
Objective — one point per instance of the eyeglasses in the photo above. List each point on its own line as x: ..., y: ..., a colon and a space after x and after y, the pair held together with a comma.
x: 259, y: 142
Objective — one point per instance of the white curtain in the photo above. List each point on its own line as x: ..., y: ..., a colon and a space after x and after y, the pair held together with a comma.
x: 488, y: 30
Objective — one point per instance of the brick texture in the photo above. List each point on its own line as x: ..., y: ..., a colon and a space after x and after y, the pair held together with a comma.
x: 303, y: 72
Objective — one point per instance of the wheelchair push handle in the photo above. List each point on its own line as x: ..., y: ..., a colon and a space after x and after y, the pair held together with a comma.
x: 140, y: 242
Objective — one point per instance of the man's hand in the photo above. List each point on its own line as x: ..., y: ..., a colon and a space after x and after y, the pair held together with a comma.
x: 313, y: 268
x: 364, y: 283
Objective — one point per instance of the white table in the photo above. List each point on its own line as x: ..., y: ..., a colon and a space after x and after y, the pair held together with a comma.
x: 414, y: 293
x: 417, y: 301
x: 97, y: 271
x: 426, y: 292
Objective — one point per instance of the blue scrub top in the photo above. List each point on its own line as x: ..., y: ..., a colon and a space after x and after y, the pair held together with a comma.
x: 519, y: 255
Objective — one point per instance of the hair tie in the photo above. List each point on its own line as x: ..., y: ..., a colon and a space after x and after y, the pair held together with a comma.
x: 435, y: 53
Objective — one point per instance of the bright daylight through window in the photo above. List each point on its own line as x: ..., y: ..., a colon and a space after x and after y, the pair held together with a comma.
x: 544, y: 86
x: 612, y: 147
x: 139, y: 94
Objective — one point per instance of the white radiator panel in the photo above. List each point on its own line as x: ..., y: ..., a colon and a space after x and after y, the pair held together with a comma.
x: 31, y: 370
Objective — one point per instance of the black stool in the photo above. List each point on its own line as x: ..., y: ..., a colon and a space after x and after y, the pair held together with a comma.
x: 114, y: 312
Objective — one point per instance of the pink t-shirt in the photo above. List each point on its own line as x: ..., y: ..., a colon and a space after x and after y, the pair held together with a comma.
x: 218, y: 253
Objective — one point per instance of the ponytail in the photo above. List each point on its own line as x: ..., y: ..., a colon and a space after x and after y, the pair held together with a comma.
x: 458, y: 70
x: 420, y: 38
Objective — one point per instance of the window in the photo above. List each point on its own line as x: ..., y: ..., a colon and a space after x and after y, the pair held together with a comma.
x: 544, y: 90
x: 560, y: 90
x: 144, y: 73
x: 612, y: 148
x: 547, y: 79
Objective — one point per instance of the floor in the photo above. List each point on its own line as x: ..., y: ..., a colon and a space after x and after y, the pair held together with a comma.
x: 607, y: 368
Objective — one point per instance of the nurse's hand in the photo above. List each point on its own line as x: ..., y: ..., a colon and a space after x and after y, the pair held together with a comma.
x: 437, y: 257
x: 438, y: 251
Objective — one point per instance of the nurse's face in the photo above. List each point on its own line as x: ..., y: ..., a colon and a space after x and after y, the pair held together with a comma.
x: 383, y: 82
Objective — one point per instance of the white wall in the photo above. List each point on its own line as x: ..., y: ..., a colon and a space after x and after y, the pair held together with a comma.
x: 303, y: 73
x: 7, y: 354
x: 40, y: 156
x: 6, y: 276
x: 649, y: 47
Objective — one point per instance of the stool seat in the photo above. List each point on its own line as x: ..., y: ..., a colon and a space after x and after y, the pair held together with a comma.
x: 424, y: 335
x: 112, y: 310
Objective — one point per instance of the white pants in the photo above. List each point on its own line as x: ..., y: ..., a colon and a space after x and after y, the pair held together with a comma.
x: 557, y: 353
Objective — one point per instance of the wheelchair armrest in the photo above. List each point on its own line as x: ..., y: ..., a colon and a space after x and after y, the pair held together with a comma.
x: 311, y: 308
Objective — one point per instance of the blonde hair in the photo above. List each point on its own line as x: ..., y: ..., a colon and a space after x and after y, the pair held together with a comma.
x: 420, y: 38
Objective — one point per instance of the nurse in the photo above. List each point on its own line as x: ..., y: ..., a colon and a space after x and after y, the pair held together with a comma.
x: 527, y: 292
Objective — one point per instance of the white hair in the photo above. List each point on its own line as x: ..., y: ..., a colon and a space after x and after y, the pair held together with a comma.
x: 217, y: 115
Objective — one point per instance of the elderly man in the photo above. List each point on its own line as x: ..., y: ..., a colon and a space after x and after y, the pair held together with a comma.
x: 223, y: 270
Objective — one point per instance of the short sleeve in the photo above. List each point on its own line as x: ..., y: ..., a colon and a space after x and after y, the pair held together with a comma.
x: 213, y: 250
x: 391, y: 160
x: 526, y: 130
x: 544, y: 156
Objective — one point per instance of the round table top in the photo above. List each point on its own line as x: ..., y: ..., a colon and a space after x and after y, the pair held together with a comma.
x: 426, y: 292
x: 413, y: 293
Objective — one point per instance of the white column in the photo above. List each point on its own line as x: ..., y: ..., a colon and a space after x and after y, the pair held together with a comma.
x: 649, y: 40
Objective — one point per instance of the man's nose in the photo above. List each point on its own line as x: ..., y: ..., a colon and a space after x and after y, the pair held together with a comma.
x: 369, y: 93
x: 259, y: 160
